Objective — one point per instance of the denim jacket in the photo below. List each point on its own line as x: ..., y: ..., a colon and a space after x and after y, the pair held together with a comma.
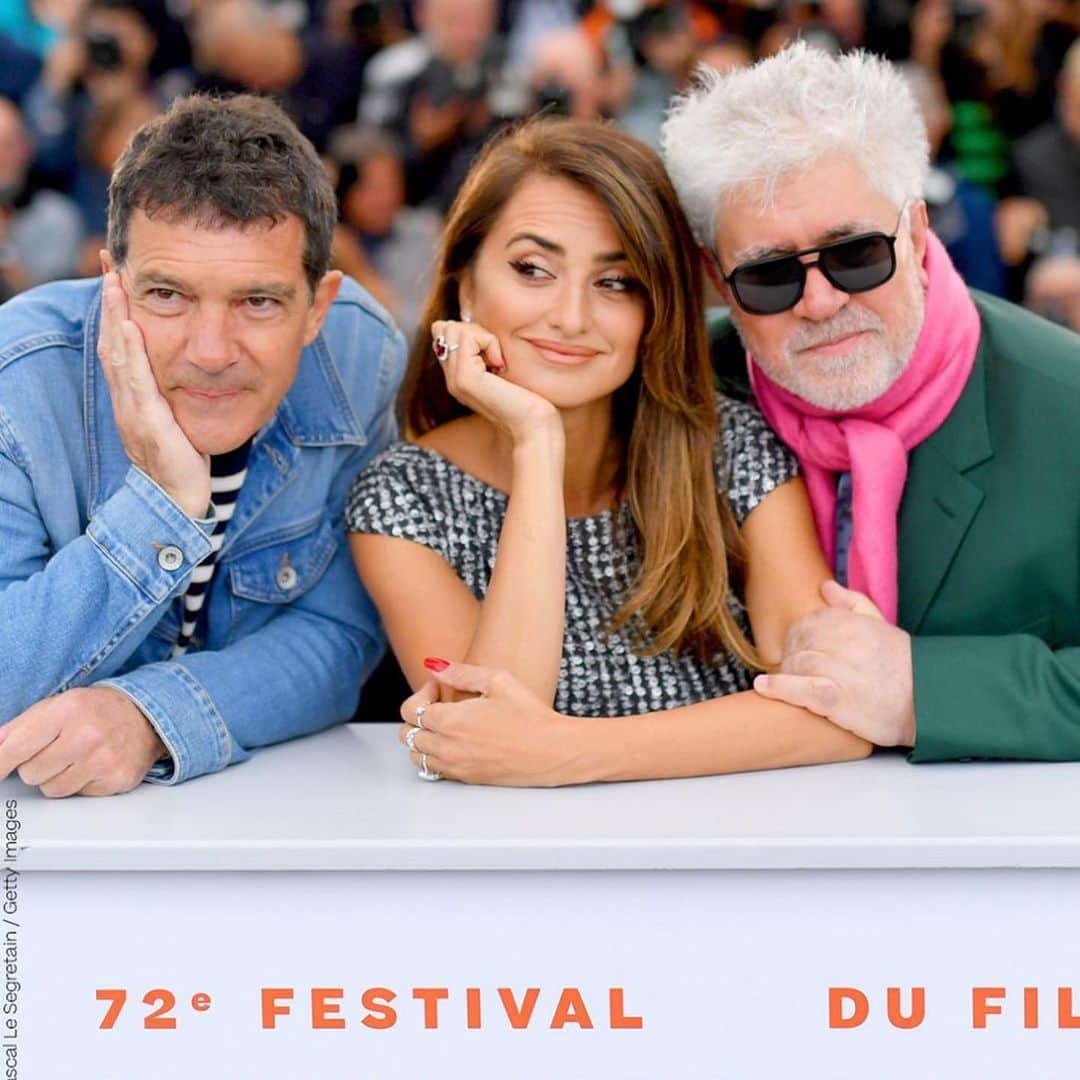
x: 95, y: 558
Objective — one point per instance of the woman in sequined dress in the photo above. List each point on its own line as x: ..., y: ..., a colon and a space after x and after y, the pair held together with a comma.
x: 577, y: 519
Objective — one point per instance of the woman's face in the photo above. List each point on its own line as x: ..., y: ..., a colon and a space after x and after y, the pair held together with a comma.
x: 552, y: 283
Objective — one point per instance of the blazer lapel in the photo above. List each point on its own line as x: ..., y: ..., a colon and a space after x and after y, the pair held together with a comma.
x: 940, y: 502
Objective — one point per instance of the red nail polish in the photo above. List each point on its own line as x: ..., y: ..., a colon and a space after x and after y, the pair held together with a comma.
x: 434, y: 663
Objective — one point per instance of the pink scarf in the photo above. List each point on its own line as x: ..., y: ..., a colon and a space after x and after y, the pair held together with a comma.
x: 872, y: 442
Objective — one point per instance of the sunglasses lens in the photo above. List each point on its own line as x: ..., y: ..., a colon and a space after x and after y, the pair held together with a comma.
x: 860, y: 264
x: 769, y: 287
x: 856, y: 265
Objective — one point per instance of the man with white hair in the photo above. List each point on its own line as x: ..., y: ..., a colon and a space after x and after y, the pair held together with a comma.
x: 938, y: 429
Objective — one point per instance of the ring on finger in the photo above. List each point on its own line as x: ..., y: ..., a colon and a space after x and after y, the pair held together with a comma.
x: 420, y: 710
x: 442, y: 348
x: 424, y: 772
x: 410, y: 738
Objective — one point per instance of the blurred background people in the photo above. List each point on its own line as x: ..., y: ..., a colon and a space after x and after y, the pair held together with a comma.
x: 1048, y: 161
x: 1053, y: 289
x: 387, y: 246
x: 439, y: 77
x: 661, y: 43
x: 242, y: 45
x: 107, y: 133
x: 961, y: 213
x: 40, y: 231
x: 102, y: 58
x: 437, y: 91
x: 567, y: 76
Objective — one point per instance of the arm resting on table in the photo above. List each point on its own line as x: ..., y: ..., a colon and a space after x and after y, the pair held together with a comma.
x: 995, y: 697
x: 301, y: 672
x: 67, y: 619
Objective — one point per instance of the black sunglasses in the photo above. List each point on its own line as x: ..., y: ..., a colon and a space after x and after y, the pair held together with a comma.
x: 854, y: 265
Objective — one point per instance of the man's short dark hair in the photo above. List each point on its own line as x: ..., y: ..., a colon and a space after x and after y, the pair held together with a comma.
x: 224, y: 162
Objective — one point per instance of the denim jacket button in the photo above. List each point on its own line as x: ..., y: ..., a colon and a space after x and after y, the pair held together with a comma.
x: 170, y: 557
x: 286, y: 578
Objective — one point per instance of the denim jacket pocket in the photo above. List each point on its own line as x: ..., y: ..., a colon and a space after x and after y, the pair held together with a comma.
x: 280, y: 571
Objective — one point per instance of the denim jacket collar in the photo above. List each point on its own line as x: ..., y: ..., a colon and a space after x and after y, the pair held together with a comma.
x: 315, y: 412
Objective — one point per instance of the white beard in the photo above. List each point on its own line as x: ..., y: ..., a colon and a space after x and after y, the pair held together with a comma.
x: 848, y: 381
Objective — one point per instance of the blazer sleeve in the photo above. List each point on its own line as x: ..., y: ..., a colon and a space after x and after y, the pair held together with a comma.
x: 995, y: 697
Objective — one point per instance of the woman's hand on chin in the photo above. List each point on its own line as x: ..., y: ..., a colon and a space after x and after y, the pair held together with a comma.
x: 472, y: 363
x: 503, y: 735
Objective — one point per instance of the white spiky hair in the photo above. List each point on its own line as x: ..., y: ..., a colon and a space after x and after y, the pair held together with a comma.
x: 757, y: 124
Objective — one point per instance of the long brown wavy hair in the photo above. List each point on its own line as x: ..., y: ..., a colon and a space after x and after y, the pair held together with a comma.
x: 665, y: 415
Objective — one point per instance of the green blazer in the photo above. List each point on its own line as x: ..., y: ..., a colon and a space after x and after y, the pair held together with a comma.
x: 989, y: 546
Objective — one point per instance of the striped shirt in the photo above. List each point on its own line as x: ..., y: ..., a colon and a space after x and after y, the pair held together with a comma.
x: 227, y: 472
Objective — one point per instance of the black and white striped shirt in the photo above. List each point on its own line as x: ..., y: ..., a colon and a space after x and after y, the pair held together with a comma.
x: 227, y: 472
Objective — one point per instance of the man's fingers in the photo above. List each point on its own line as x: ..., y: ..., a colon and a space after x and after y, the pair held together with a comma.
x: 48, y: 763
x: 109, y: 340
x: 77, y: 780
x: 829, y: 630
x: 136, y: 367
x: 118, y: 350
x: 28, y: 734
x: 98, y: 789
x: 802, y: 632
x: 810, y: 663
x: 69, y: 781
x: 836, y: 596
x: 122, y: 349
x: 816, y: 693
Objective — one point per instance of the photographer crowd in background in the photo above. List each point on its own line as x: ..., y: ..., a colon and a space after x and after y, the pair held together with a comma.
x: 400, y: 96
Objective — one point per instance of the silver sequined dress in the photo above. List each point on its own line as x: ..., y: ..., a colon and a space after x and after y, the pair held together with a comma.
x: 414, y: 493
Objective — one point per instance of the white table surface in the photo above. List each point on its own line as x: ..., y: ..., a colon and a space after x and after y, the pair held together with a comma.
x: 348, y: 799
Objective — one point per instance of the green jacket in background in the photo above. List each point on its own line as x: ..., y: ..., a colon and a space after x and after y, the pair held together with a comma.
x: 989, y: 546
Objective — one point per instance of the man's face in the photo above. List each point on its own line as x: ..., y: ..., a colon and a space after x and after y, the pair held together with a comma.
x: 833, y: 349
x: 224, y: 314
x: 458, y: 29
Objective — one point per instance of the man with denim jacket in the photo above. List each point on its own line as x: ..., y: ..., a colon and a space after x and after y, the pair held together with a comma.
x: 215, y: 326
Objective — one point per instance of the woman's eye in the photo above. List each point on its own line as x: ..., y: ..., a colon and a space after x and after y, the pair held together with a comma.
x: 618, y: 284
x: 529, y: 270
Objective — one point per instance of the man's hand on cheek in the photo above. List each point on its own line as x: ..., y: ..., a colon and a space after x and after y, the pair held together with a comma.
x: 151, y: 436
x: 849, y: 665
x: 91, y: 741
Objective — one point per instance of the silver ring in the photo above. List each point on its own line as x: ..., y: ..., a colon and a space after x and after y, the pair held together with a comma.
x: 424, y: 772
x: 420, y: 710
x: 410, y: 738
